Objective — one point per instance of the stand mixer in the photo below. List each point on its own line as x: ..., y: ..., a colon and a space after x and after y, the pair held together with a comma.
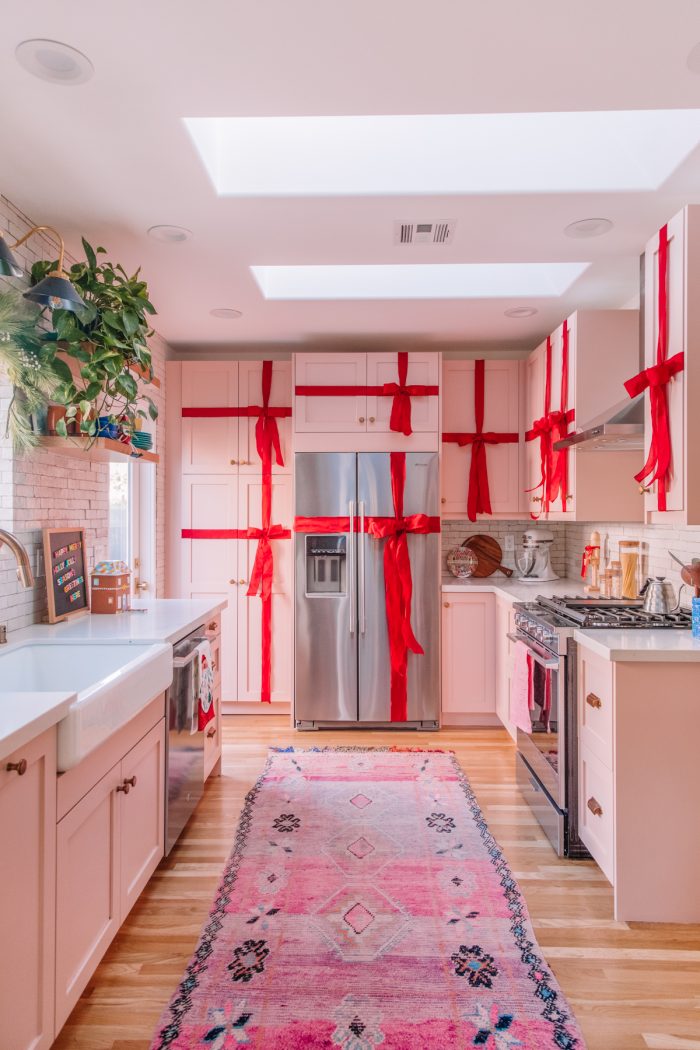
x: 534, y: 561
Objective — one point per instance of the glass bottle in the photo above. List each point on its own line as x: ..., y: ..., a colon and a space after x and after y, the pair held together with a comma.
x: 615, y: 571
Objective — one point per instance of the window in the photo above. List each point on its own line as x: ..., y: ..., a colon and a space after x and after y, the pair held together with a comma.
x: 119, y: 546
x: 132, y: 515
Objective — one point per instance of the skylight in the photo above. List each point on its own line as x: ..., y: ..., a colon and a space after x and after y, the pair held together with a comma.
x: 444, y: 154
x: 422, y: 281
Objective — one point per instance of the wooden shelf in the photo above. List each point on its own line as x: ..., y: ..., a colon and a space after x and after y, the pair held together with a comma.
x: 104, y: 450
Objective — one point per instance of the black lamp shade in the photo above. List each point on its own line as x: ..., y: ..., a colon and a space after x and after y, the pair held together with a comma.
x: 9, y: 267
x: 55, y: 292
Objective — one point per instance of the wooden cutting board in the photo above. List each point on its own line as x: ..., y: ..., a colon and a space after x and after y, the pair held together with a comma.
x: 489, y: 556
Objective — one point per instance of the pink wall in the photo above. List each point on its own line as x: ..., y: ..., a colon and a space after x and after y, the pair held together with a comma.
x: 44, y: 488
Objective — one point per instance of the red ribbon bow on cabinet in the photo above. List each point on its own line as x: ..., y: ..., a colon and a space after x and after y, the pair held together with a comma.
x: 552, y: 427
x: 400, y: 419
x: 655, y: 379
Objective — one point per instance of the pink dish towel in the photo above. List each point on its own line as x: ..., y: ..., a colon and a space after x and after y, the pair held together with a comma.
x: 521, y: 702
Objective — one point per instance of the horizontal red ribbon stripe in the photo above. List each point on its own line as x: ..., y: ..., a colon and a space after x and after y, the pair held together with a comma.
x: 373, y: 525
x: 246, y: 410
x: 361, y: 391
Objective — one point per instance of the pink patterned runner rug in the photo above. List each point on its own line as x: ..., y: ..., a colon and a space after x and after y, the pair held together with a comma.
x: 366, y: 904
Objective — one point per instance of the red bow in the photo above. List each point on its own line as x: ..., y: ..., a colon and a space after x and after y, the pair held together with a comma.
x: 478, y: 495
x: 400, y: 420
x: 655, y: 379
x: 398, y: 583
x: 552, y: 427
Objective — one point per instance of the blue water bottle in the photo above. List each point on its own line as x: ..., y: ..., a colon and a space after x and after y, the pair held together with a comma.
x: 696, y: 617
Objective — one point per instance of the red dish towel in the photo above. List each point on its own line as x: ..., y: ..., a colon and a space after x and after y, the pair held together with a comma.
x: 521, y: 702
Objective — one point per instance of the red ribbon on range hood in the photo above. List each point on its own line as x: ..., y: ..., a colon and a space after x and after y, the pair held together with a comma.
x: 655, y: 379
x: 398, y: 582
x: 478, y: 495
x: 552, y: 427
x: 401, y: 392
x: 267, y: 442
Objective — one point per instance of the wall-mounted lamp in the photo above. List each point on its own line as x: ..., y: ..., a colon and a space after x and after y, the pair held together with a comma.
x: 55, y: 290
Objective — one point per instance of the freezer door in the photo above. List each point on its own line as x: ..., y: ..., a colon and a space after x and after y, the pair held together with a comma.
x: 421, y: 495
x: 325, y: 588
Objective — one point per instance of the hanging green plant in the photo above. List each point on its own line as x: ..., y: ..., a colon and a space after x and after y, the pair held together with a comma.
x: 31, y: 366
x: 107, y: 340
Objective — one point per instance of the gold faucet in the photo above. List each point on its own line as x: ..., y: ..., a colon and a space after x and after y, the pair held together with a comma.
x: 24, y: 569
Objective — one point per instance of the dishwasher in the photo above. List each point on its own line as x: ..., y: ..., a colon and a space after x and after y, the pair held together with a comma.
x: 185, y: 742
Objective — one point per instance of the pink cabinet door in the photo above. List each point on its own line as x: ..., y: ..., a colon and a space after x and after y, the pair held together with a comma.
x: 250, y: 393
x: 249, y: 609
x: 423, y: 368
x: 535, y: 367
x: 556, y: 510
x: 142, y: 815
x: 501, y: 414
x: 675, y: 390
x: 210, y: 445
x: 468, y: 654
x: 87, y: 889
x: 330, y: 414
x: 27, y: 900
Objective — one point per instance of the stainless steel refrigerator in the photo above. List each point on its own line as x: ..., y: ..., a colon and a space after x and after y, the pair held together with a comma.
x: 342, y: 669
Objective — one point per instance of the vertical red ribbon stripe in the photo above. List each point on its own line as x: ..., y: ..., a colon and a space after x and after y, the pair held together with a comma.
x: 401, y: 392
x: 655, y: 379
x: 478, y: 495
x: 552, y: 427
x: 267, y: 442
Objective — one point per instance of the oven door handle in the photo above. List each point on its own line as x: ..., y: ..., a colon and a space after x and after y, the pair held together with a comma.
x: 549, y: 665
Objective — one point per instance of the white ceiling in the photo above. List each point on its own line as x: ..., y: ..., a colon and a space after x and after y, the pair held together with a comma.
x: 112, y: 157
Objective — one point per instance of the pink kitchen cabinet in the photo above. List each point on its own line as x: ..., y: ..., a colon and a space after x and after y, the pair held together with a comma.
x: 249, y: 388
x: 603, y: 353
x: 503, y: 388
x: 683, y: 280
x: 468, y: 659
x: 423, y: 369
x: 109, y: 843
x: 209, y: 445
x: 329, y: 414
x: 27, y: 904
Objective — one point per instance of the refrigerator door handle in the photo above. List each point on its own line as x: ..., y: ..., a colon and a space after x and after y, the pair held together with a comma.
x: 352, y: 584
x: 361, y: 568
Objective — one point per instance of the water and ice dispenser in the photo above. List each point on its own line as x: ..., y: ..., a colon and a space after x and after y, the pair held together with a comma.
x: 326, y: 568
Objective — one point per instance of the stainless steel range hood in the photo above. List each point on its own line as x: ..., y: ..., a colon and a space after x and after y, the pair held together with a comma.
x: 622, y: 427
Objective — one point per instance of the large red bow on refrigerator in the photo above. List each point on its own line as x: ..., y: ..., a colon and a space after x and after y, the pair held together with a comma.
x: 478, y: 495
x: 656, y: 379
x: 398, y: 584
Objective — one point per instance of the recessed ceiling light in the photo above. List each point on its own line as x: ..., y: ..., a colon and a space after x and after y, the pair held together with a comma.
x: 588, y: 228
x: 693, y: 59
x: 169, y: 234
x: 520, y: 311
x: 53, y: 61
x: 227, y: 313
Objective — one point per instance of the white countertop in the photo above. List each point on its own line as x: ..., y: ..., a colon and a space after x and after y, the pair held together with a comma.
x: 634, y: 646
x: 162, y: 620
x: 24, y: 716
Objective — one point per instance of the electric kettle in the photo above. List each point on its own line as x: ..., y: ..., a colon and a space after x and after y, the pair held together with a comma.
x: 659, y: 596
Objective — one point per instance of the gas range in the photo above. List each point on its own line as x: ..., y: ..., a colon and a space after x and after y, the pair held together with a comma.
x: 550, y: 621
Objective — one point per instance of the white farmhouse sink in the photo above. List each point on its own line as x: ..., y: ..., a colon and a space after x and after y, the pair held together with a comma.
x: 113, y: 682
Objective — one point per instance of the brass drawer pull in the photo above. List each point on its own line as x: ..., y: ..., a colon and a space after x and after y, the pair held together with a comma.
x: 211, y: 732
x: 131, y: 781
x: 212, y: 626
x: 595, y: 807
x: 20, y: 768
x: 594, y: 701
x: 446, y: 604
x: 124, y: 787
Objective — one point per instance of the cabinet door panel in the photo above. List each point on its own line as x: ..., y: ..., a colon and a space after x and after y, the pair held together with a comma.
x: 314, y: 414
x: 210, y: 445
x: 501, y: 414
x: 87, y: 889
x: 142, y: 816
x: 535, y: 371
x: 27, y: 901
x: 250, y: 393
x: 209, y: 502
x: 556, y: 510
x: 468, y: 653
x: 249, y: 609
x: 423, y: 368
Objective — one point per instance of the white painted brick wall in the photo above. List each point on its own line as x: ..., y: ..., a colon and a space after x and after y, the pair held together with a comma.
x: 47, y: 489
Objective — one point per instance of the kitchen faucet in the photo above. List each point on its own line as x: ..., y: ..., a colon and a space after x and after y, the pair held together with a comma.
x: 24, y: 569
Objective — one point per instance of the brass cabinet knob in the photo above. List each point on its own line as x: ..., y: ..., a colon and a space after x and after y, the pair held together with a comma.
x: 130, y: 781
x: 361, y: 419
x: 233, y: 462
x: 644, y: 488
x: 244, y: 462
x: 243, y: 582
x: 535, y: 499
x: 233, y: 582
x: 595, y: 807
x: 124, y: 787
x: 371, y: 419
x: 213, y: 625
x: 594, y: 701
x: 446, y: 604
x: 211, y: 732
x: 20, y: 768
x: 568, y: 497
x: 443, y: 499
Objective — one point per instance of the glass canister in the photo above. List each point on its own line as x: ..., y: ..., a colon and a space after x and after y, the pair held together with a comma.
x: 604, y: 583
x: 615, y: 571
x: 629, y: 561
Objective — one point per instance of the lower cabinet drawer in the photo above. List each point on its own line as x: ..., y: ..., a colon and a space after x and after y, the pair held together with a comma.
x: 595, y: 705
x: 595, y: 817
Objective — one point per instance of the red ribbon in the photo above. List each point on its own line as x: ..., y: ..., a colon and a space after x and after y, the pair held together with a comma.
x: 586, y: 557
x: 400, y: 420
x: 552, y: 427
x: 398, y: 583
x: 267, y: 441
x: 478, y: 495
x: 656, y: 379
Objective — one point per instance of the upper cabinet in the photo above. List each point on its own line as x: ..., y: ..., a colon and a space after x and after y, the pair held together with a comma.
x: 584, y: 369
x: 502, y: 418
x: 682, y: 329
x: 328, y: 419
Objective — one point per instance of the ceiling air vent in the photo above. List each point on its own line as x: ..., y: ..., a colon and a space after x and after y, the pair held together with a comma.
x: 423, y: 232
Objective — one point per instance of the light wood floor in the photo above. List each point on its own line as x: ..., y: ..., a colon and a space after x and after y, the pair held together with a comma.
x: 632, y: 985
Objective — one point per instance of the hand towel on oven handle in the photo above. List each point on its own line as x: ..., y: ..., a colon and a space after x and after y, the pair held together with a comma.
x: 521, y: 700
x: 203, y: 706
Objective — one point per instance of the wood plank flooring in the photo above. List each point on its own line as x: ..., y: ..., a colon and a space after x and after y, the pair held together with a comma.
x: 633, y: 986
